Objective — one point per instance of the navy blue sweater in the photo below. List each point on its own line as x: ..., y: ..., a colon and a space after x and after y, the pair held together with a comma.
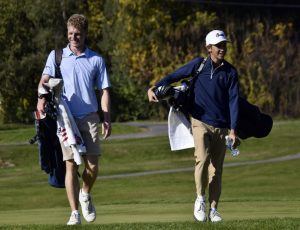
x: 216, y: 92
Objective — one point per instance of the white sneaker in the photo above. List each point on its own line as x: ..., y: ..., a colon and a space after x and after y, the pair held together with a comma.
x: 214, y: 216
x: 88, y: 209
x: 74, y: 219
x: 199, y: 210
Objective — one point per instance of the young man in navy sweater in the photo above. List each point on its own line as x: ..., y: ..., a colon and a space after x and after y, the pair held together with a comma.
x: 214, y: 109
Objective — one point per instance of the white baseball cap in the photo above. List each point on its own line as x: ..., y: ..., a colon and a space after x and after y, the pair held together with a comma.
x: 215, y: 37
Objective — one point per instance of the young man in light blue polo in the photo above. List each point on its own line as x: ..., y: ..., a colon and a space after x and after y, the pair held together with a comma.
x: 82, y: 71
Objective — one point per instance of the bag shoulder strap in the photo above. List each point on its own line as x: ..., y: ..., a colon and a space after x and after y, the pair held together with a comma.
x: 58, y: 57
x: 200, y: 67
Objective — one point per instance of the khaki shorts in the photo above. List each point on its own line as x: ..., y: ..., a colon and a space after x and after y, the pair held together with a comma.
x: 89, y: 130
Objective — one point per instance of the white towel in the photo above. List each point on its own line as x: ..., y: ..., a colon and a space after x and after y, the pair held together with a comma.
x: 180, y: 131
x: 67, y: 130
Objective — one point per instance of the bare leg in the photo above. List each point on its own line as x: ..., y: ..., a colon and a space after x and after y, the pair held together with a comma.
x: 72, y: 184
x: 90, y: 172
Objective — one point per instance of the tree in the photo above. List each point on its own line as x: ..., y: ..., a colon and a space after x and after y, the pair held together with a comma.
x: 145, y: 40
x: 28, y: 33
x: 142, y: 41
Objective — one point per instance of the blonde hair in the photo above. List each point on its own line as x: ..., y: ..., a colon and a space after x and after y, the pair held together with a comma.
x: 78, y: 21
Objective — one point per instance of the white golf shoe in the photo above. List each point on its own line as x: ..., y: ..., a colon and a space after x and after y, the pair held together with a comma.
x: 214, y: 216
x: 88, y: 209
x: 74, y: 219
x: 199, y: 210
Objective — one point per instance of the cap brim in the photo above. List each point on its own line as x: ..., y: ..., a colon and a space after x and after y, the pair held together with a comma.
x: 218, y: 42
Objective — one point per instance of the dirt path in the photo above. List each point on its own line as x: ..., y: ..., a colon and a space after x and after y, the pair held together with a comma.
x: 191, y: 169
x: 152, y: 129
x: 161, y: 129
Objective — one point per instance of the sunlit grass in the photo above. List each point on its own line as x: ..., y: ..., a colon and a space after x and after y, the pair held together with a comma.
x: 253, y: 196
x: 16, y: 133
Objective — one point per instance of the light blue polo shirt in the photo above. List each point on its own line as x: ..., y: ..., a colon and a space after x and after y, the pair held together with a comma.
x: 82, y: 75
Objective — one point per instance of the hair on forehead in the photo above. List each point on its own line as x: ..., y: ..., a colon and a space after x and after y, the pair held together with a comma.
x: 78, y: 21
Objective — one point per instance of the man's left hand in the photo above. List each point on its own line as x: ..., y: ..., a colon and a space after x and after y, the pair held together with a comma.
x: 106, y: 129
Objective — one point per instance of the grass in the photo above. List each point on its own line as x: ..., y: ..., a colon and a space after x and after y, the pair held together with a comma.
x: 269, y: 224
x: 16, y: 133
x: 265, y: 196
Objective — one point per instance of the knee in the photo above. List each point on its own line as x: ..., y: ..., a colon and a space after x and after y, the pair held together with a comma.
x: 71, y: 166
x: 201, y: 160
x: 92, y: 168
x: 91, y: 164
x: 71, y: 171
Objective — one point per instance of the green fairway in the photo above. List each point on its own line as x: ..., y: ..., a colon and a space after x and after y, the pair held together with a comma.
x: 20, y: 133
x: 253, y: 196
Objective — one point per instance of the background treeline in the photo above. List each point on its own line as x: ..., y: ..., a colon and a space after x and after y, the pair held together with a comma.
x: 144, y: 40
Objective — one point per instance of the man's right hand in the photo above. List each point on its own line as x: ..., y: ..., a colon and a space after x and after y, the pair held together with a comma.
x: 42, y: 101
x: 151, y: 95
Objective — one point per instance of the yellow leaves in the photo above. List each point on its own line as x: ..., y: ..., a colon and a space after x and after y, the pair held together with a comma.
x: 248, y: 45
x: 138, y: 62
x: 125, y: 2
x: 96, y: 18
x: 258, y: 91
x: 282, y: 32
x: 130, y: 3
x: 254, y: 39
x: 133, y: 4
x: 282, y: 62
x: 260, y: 28
x: 121, y: 49
x: 206, y: 18
x: 281, y: 29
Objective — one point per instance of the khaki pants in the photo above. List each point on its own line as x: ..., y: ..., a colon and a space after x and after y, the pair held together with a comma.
x: 209, y: 157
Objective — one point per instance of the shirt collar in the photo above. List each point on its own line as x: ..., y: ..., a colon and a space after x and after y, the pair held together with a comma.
x: 70, y: 53
x: 211, y: 62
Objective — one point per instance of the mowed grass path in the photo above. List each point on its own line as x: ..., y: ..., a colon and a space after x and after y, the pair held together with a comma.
x: 253, y: 196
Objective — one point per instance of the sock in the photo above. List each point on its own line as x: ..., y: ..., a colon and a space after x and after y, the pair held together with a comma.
x: 84, y: 193
x: 213, y: 209
x: 75, y: 212
x: 201, y: 198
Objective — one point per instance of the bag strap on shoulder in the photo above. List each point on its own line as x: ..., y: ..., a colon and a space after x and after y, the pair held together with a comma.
x: 195, y: 74
x: 58, y: 57
x: 200, y: 67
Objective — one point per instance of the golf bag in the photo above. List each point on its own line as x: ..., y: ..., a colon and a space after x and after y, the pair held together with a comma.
x: 180, y: 97
x: 251, y: 123
x: 50, y: 153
